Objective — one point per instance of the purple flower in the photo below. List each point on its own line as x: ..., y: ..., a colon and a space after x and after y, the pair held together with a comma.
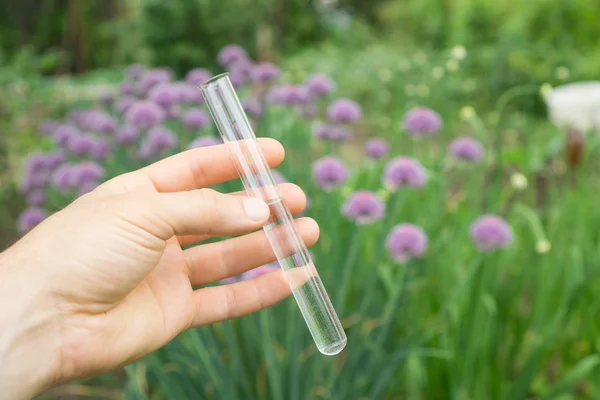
x: 128, y: 88
x: 319, y: 85
x: 156, y: 142
x: 101, y: 122
x: 54, y: 159
x: 238, y: 78
x: 63, y: 134
x: 293, y: 95
x: 265, y: 72
x: 30, y: 218
x: 36, y: 197
x: 145, y: 114
x: 339, y: 133
x: 276, y: 94
x: 377, y: 148
x: 230, y: 54
x: 65, y: 177
x: 198, y: 76
x: 122, y: 105
x: 344, y: 111
x: 174, y: 111
x: 321, y: 131
x: 87, y: 171
x: 467, y: 148
x: 154, y: 77
x: 364, y: 207
x: 126, y: 134
x: 330, y: 172
x: 184, y: 93
x: 406, y: 241
x: 204, y: 141
x: 404, y: 171
x: 47, y: 128
x: 135, y: 71
x: 101, y: 150
x: 262, y: 270
x: 81, y: 145
x: 253, y: 107
x: 421, y: 122
x: 491, y: 232
x: 162, y: 94
x: 195, y: 118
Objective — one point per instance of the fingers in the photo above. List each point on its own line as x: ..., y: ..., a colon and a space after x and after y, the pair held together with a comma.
x: 216, y: 261
x: 196, y: 212
x: 192, y: 169
x: 293, y: 197
x: 218, y: 303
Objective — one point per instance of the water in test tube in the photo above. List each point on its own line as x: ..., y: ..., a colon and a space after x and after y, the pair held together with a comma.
x: 281, y: 231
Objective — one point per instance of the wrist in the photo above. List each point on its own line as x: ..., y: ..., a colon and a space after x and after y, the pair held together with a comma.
x: 28, y: 343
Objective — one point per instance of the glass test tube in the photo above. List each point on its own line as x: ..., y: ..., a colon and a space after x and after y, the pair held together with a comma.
x: 281, y: 231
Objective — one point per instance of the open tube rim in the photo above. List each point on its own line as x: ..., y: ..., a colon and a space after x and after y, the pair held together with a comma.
x: 213, y: 79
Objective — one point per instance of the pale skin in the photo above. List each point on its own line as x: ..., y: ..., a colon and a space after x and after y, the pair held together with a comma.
x: 105, y: 281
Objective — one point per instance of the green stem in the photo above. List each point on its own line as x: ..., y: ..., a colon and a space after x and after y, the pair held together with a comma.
x: 347, y: 269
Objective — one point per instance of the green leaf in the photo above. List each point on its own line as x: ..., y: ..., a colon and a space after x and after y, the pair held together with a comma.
x: 579, y: 372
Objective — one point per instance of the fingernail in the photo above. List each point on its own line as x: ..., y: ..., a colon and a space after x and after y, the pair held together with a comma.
x: 256, y: 209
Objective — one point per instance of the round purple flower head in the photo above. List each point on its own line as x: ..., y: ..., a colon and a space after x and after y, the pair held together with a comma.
x: 47, y: 128
x: 81, y: 145
x: 238, y: 77
x: 184, y: 93
x: 230, y: 54
x: 101, y: 150
x: 30, y: 218
x: 197, y: 76
x: 158, y: 139
x: 421, y: 122
x: 65, y: 177
x: 101, y: 122
x: 259, y: 271
x: 319, y: 85
x: 128, y: 88
x: 205, y: 141
x: 154, y: 77
x: 145, y: 114
x: 126, y: 134
x: 293, y: 95
x: 264, y: 73
x: 330, y: 172
x: 406, y: 241
x: 276, y: 95
x: 377, y: 148
x: 253, y: 107
x: 344, y: 111
x: 491, y: 232
x: 63, y: 134
x: 364, y: 207
x: 467, y: 148
x: 134, y: 71
x: 195, y: 118
x: 404, y: 171
x: 162, y: 94
x: 36, y: 197
x: 122, y: 105
x: 87, y: 171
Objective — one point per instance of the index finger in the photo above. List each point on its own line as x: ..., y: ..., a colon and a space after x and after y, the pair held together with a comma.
x: 193, y: 169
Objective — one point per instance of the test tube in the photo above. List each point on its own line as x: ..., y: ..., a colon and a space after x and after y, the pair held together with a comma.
x: 293, y: 256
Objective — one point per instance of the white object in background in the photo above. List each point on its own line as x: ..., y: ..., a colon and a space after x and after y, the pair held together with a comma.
x: 575, y: 106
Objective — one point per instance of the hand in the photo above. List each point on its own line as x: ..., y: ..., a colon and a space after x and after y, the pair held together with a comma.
x: 105, y: 281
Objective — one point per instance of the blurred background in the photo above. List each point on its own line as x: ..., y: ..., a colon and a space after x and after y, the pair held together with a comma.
x: 449, y: 150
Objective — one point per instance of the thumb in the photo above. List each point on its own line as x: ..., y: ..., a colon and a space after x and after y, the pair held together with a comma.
x: 196, y: 212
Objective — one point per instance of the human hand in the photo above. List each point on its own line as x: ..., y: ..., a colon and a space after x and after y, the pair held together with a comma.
x: 105, y: 281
